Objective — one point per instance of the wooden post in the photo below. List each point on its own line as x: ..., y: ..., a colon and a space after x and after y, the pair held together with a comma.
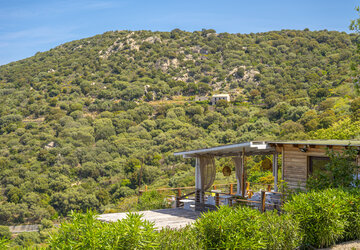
x: 263, y: 199
x: 231, y: 189
x: 178, y: 197
x: 217, y: 199
x: 269, y: 188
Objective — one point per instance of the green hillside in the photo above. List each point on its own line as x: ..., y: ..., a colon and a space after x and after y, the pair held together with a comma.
x: 76, y: 122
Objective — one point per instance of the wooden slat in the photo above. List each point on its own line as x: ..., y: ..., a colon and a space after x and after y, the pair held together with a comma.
x: 296, y: 184
x: 295, y: 171
x: 295, y: 159
x: 295, y: 180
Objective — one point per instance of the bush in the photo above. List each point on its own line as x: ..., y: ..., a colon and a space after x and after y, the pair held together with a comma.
x: 84, y: 231
x: 4, y: 243
x: 230, y: 228
x: 280, y: 231
x: 315, y: 219
x: 45, y: 224
x: 352, y: 229
x: 247, y: 228
x: 27, y: 239
x: 184, y: 238
x: 260, y: 176
x: 339, y: 172
x: 5, y: 232
x: 152, y: 200
x: 325, y: 217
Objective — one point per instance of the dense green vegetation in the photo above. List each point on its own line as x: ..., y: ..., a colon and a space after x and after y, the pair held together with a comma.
x: 78, y: 122
x: 316, y: 219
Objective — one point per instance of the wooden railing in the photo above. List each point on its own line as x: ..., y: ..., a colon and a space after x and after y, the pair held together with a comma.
x: 179, y: 195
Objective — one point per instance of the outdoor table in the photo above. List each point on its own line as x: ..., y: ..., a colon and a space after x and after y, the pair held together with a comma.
x: 187, y: 203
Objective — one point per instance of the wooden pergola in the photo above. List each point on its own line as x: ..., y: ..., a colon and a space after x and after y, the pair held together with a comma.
x: 238, y: 152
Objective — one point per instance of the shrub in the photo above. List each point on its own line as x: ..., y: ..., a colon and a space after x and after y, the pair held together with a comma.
x: 5, y: 232
x: 352, y: 229
x: 230, y: 228
x: 84, y: 231
x: 27, y: 239
x: 280, y: 231
x: 247, y: 228
x: 152, y: 200
x: 323, y: 216
x: 339, y: 172
x: 184, y: 238
x: 45, y: 223
x: 4, y: 243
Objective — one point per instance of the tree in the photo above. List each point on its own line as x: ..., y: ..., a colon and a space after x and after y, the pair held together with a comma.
x: 222, y: 104
x: 292, y: 130
x: 339, y: 171
x: 355, y: 26
x: 355, y: 109
x: 103, y: 129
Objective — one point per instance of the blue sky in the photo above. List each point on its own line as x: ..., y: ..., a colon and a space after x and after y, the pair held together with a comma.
x: 29, y: 26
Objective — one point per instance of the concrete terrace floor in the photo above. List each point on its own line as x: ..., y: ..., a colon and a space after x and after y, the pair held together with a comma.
x: 171, y: 218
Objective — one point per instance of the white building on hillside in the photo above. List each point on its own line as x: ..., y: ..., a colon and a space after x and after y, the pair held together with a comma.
x: 218, y: 97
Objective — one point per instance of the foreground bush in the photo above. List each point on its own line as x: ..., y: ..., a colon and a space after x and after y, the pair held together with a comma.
x: 84, y: 231
x: 184, y: 238
x: 247, y: 228
x: 326, y: 217
x: 315, y: 219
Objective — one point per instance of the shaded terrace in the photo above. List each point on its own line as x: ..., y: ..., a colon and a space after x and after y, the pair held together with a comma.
x: 205, y: 169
